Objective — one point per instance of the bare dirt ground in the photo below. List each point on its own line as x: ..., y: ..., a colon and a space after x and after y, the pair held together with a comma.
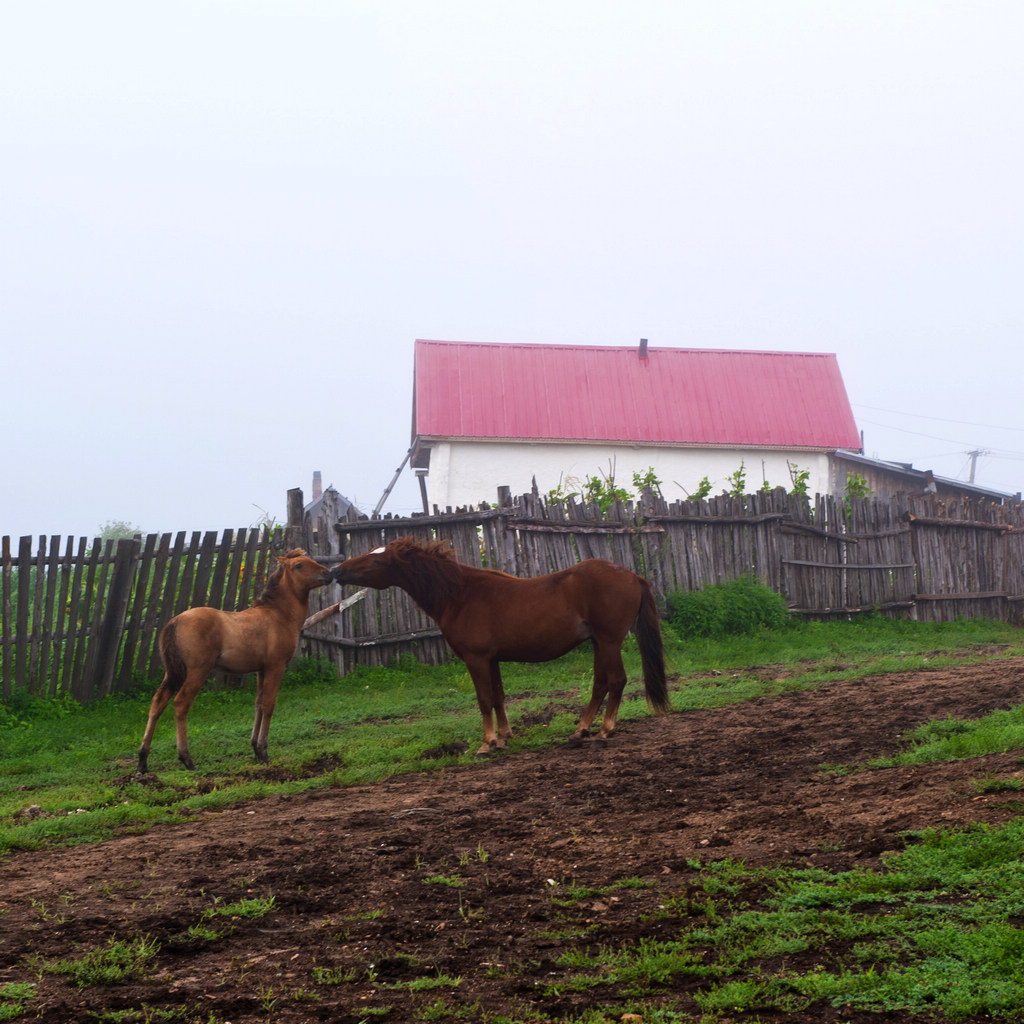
x: 361, y: 921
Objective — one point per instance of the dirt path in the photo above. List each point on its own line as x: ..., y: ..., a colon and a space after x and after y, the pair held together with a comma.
x: 366, y: 910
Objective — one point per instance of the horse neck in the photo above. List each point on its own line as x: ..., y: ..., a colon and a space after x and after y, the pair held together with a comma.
x: 432, y: 584
x: 290, y: 603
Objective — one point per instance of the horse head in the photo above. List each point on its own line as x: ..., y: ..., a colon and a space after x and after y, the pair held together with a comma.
x: 377, y: 568
x: 296, y: 572
x: 427, y: 571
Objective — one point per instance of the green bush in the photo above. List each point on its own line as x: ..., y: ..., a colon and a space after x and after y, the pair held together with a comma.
x: 727, y: 609
x: 311, y: 671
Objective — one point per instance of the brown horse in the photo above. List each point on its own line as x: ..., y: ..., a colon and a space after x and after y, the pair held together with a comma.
x: 488, y: 617
x: 260, y: 639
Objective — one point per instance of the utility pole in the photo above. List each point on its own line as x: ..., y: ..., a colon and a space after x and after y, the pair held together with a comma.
x: 974, y: 461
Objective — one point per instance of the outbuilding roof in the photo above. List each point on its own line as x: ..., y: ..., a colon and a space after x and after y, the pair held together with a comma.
x: 631, y: 395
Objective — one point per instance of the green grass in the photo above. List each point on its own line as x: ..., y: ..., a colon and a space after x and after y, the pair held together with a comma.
x: 69, y: 771
x: 118, y: 961
x: 953, y: 738
x: 252, y: 909
x: 14, y: 999
x: 936, y: 930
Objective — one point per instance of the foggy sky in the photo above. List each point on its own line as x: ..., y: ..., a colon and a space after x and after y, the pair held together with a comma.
x: 224, y: 224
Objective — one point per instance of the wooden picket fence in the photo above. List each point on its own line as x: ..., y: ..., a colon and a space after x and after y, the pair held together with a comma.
x: 81, y: 618
x: 912, y: 558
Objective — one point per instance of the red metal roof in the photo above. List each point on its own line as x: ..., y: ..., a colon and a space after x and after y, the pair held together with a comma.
x: 673, y: 396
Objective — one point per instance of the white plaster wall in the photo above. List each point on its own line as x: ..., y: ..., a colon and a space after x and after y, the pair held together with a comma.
x: 464, y: 473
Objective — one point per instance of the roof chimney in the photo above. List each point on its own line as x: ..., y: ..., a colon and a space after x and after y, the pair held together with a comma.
x: 318, y: 489
x: 643, y: 348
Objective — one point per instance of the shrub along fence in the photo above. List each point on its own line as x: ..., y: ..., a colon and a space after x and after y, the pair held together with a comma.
x: 81, y: 619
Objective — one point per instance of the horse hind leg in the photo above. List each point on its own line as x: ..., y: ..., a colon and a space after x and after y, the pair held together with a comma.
x: 615, y: 681
x: 503, y: 731
x: 182, y: 704
x: 597, y: 695
x: 162, y: 697
x: 610, y: 682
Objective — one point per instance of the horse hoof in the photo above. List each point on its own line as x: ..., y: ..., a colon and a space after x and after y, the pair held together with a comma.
x: 574, y: 742
x: 598, y: 743
x: 486, y: 749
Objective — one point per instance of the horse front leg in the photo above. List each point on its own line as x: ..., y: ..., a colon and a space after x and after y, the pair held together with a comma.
x: 268, y: 683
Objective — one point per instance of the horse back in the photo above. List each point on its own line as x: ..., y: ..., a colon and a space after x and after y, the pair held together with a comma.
x: 542, y: 617
x: 205, y: 638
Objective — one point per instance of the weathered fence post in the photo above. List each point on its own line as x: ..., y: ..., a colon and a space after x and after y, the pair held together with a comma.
x: 293, y: 534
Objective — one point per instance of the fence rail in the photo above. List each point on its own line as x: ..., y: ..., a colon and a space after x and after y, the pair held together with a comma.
x: 81, y: 618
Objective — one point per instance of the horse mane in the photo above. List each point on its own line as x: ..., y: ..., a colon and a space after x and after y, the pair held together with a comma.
x: 269, y: 594
x: 431, y: 573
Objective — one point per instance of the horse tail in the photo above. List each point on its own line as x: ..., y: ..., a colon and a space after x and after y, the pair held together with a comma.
x: 652, y: 654
x: 175, y: 667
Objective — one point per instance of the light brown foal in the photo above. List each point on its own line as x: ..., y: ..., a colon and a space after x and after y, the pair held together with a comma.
x: 260, y: 639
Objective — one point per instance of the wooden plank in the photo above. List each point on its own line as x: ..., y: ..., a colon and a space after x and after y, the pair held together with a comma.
x: 21, y: 624
x: 100, y: 600
x: 89, y: 600
x: 259, y: 576
x: 134, y: 657
x: 949, y: 523
x: 548, y: 527
x: 168, y: 595
x: 62, y: 621
x: 6, y: 618
x: 185, y: 598
x: 201, y: 573
x: 247, y: 572
x: 38, y: 626
x: 115, y: 614
x: 147, y: 663
x: 378, y: 640
x: 48, y: 649
x: 222, y: 560
x: 845, y: 565
x: 852, y: 609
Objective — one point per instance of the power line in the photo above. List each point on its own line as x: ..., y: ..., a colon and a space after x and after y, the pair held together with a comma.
x: 1000, y: 452
x: 938, y: 419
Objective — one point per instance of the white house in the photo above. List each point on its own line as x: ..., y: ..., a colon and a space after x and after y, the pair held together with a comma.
x: 487, y: 415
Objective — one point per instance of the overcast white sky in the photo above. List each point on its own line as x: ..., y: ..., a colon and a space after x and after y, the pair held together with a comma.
x: 224, y: 224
